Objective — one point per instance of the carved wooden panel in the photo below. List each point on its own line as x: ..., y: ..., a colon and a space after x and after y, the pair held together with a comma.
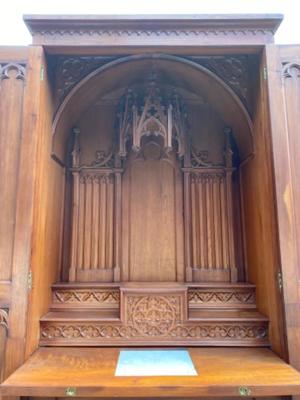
x: 221, y: 297
x: 93, y: 226
x: 93, y: 297
x: 157, y: 314
x: 152, y: 218
x: 107, y: 334
x: 211, y: 241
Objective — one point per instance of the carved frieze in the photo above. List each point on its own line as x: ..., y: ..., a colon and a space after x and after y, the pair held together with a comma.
x: 107, y: 333
x: 97, y: 177
x: 111, y: 32
x: 220, y: 297
x: 86, y: 297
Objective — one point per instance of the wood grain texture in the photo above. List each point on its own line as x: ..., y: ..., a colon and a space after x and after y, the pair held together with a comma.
x: 152, y: 251
x: 145, y: 30
x: 154, y: 313
x: 47, y: 217
x: 15, y: 347
x: 283, y: 89
x: 260, y: 219
x: 221, y: 372
x: 211, y: 226
x: 92, y: 246
x: 12, y: 80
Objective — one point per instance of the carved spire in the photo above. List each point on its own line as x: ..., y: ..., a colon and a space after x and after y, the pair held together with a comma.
x: 150, y: 113
x: 228, y: 154
x: 76, y: 148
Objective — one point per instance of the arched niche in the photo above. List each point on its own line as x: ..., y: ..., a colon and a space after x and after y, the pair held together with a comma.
x: 178, y: 71
x: 193, y: 218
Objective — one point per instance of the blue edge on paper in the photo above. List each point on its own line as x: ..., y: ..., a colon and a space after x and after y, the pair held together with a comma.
x: 155, y: 363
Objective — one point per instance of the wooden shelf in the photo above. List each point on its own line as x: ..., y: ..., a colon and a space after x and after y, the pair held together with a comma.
x: 221, y: 372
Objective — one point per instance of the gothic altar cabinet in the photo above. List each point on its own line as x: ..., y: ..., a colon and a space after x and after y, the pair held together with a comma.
x: 150, y: 200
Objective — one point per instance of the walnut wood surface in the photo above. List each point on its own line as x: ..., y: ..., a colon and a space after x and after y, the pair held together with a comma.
x: 152, y: 30
x: 267, y: 205
x: 154, y: 313
x: 221, y: 372
x: 284, y: 89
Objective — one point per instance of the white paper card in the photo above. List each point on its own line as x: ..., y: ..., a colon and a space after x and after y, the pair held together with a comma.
x: 155, y: 363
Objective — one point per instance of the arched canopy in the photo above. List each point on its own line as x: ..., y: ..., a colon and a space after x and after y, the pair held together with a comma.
x: 178, y: 71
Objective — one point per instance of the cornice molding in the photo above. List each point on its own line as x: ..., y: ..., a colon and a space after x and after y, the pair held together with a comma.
x: 152, y: 27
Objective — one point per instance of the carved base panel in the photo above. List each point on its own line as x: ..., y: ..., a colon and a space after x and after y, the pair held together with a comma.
x: 230, y: 296
x: 153, y: 315
x: 73, y: 298
x: 155, y: 333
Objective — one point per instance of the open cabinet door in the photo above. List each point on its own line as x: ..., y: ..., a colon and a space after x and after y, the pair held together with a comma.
x: 283, y: 76
x: 86, y: 372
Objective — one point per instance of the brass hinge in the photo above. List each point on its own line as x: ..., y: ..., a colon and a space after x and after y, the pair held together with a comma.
x: 280, y: 281
x: 29, y: 280
x: 42, y: 73
x: 265, y: 73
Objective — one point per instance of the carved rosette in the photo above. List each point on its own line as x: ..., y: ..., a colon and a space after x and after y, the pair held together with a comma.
x: 152, y: 316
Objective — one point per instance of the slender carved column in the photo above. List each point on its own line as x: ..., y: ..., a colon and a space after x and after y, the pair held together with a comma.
x: 118, y: 227
x: 187, y: 227
x: 75, y: 164
x: 229, y: 171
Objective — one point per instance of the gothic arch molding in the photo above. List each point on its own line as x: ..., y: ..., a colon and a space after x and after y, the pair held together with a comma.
x: 187, y: 73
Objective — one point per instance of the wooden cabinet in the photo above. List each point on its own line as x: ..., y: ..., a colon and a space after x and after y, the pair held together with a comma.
x: 149, y: 199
